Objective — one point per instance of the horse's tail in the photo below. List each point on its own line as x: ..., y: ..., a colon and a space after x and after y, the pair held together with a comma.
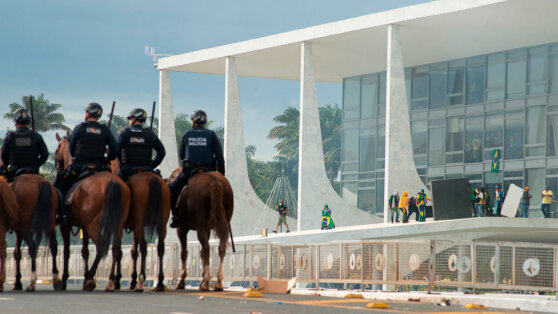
x: 217, y: 215
x: 9, y: 202
x: 41, y: 223
x: 154, y: 214
x: 112, y: 213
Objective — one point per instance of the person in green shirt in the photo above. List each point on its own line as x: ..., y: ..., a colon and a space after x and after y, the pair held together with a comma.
x: 421, y: 204
x: 327, y: 221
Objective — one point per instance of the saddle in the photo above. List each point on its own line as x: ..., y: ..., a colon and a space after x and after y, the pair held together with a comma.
x: 193, y: 172
x: 86, y: 171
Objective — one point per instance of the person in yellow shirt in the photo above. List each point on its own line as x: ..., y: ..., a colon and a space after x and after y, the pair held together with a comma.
x: 403, y: 202
x: 546, y: 196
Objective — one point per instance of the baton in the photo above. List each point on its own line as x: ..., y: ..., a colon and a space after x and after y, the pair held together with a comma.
x: 111, y: 112
x: 232, y: 241
x: 32, y: 117
x: 152, y: 114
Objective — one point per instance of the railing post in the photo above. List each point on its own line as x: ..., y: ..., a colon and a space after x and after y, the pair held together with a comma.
x: 496, y: 265
x: 251, y: 263
x: 555, y: 271
x: 395, y: 265
x: 269, y: 260
x: 317, y: 265
x: 432, y: 265
x: 513, y: 265
x: 341, y: 264
x: 361, y: 265
x: 473, y: 267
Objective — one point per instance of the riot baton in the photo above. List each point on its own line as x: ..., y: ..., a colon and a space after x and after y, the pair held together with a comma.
x: 111, y: 112
x: 232, y: 241
x: 152, y: 114
x: 32, y: 116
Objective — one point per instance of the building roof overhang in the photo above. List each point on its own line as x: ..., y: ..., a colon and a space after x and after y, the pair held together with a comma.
x: 430, y: 32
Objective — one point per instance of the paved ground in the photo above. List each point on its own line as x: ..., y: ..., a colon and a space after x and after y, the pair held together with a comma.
x: 192, y: 301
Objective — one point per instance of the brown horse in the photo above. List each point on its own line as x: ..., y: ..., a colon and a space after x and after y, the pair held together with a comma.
x: 38, y: 204
x: 8, y: 218
x: 100, y: 207
x: 206, y: 204
x: 150, y: 208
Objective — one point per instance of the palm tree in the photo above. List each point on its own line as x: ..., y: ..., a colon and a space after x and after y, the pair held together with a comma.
x: 117, y: 124
x: 330, y: 122
x: 260, y: 174
x: 45, y: 116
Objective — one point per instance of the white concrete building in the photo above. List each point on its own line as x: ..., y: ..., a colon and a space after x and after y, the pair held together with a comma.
x: 395, y: 42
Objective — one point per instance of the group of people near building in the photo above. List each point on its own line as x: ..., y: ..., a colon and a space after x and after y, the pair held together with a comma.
x: 546, y: 199
x: 93, y: 145
x: 282, y: 209
x: 482, y: 205
x: 408, y: 205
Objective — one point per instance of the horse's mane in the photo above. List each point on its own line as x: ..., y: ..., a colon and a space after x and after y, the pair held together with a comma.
x: 8, y: 201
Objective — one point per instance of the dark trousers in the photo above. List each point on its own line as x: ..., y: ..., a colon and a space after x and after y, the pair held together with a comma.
x: 176, y: 186
x: 66, y: 178
x: 127, y: 170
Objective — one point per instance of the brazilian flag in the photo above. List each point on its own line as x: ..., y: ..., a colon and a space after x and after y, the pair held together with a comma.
x: 495, y: 166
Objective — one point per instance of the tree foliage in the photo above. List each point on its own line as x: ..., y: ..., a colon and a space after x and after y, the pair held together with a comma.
x: 46, y: 117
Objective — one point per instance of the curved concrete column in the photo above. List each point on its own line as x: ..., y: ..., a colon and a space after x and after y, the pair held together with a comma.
x: 247, y: 205
x: 167, y: 133
x: 400, y: 169
x: 314, y: 189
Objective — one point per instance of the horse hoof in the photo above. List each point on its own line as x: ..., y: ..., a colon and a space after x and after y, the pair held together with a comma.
x: 110, y: 286
x: 132, y: 287
x: 30, y: 289
x: 219, y: 286
x: 180, y: 286
x: 160, y: 287
x: 90, y: 285
x: 18, y: 286
x: 204, y: 286
x: 117, y: 285
x: 58, y: 285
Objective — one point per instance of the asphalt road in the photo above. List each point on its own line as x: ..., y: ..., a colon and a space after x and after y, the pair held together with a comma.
x: 44, y: 300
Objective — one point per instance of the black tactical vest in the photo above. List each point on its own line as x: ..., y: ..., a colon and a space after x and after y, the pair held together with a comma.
x: 136, y: 147
x: 199, y: 146
x: 91, y: 143
x: 24, y: 149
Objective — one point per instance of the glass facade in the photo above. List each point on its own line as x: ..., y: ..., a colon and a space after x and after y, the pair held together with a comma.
x: 460, y: 112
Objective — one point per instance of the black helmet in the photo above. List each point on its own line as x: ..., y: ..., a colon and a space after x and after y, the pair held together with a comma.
x: 139, y: 114
x: 21, y: 116
x: 199, y: 117
x: 94, y: 109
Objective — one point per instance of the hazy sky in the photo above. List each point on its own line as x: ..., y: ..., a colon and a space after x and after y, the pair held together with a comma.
x: 76, y: 52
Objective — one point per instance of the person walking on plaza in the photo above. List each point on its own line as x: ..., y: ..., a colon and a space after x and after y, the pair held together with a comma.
x: 282, y: 209
x: 547, y: 196
x: 403, y: 202
x: 524, y: 203
x: 393, y: 206
x: 421, y: 204
x: 499, y: 200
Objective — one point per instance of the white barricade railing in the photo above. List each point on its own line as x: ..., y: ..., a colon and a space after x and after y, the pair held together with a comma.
x: 401, y: 265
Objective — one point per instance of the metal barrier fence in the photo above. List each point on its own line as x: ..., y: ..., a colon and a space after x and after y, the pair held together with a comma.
x: 398, y: 264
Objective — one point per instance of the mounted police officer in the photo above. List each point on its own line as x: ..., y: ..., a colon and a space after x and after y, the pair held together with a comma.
x: 199, y: 148
x: 23, y: 150
x: 135, y: 146
x: 88, y: 143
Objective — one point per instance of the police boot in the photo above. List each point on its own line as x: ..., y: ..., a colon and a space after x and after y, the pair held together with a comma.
x: 175, y: 220
x: 63, y: 218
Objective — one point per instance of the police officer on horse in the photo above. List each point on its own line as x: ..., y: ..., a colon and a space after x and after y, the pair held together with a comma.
x: 199, y: 149
x: 135, y: 146
x: 88, y: 143
x: 23, y: 150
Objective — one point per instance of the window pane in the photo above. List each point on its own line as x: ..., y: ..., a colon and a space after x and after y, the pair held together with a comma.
x: 367, y: 160
x: 369, y: 105
x: 537, y: 73
x: 552, y: 135
x: 438, y: 81
x: 436, y: 150
x: 475, y: 82
x: 535, y: 182
x: 473, y: 139
x: 418, y: 136
x: 382, y: 92
x: 496, y: 76
x: 494, y: 130
x: 381, y: 141
x: 351, y: 98
x: 366, y: 200
x: 349, y: 192
x: 516, y: 79
x: 350, y: 145
x: 536, y: 125
x: 456, y: 130
x: 554, y: 78
x: 456, y: 81
x: 379, y: 210
x: 514, y: 136
x: 420, y: 87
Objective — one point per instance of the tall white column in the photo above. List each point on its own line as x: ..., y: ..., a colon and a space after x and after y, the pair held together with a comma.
x: 400, y: 170
x: 167, y: 133
x: 249, y: 210
x: 314, y: 188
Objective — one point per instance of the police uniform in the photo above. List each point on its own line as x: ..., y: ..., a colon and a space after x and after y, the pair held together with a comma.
x: 135, y: 145
x: 199, y: 148
x: 88, y: 143
x: 23, y: 149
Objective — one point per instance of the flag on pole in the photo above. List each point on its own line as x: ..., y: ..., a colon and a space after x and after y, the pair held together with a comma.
x: 495, y: 166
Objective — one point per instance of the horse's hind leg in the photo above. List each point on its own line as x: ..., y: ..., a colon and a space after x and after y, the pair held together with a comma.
x: 33, y: 254
x: 17, y: 257
x: 160, y: 254
x: 182, y: 233
x: 85, y: 256
x: 203, y: 237
x: 115, y: 271
x: 134, y: 253
x: 65, y: 231
x: 222, y: 252
x: 56, y: 282
x: 143, y: 252
x: 2, y: 257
